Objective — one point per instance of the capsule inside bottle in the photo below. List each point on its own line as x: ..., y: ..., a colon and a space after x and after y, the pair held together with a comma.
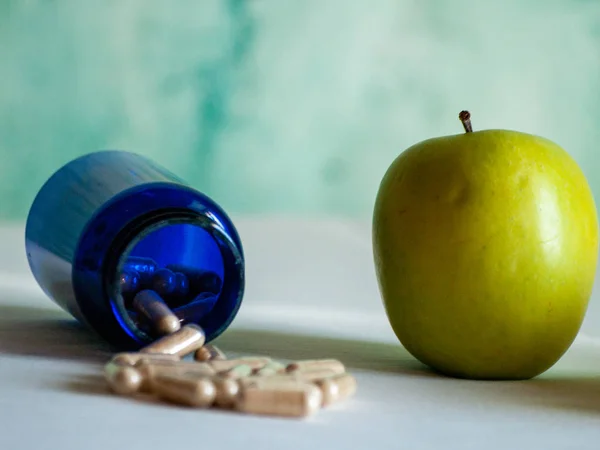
x: 180, y: 262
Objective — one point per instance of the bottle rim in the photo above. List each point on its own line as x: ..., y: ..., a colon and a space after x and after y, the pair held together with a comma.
x: 113, y: 228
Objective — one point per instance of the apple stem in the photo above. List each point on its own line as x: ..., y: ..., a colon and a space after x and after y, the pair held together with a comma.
x: 465, y: 118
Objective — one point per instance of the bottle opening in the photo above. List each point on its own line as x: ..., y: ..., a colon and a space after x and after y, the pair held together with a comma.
x: 170, y: 274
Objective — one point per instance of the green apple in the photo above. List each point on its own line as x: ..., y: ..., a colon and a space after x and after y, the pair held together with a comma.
x: 485, y: 246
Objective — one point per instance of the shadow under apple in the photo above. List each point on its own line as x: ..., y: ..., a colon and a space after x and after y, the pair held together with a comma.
x: 578, y: 394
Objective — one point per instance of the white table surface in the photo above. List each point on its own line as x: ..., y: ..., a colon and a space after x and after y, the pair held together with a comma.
x: 311, y: 293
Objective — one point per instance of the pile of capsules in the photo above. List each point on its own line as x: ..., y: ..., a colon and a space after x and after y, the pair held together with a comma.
x: 252, y: 385
x: 159, y: 298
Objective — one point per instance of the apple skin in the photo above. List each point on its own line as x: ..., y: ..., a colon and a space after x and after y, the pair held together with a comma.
x: 485, y: 247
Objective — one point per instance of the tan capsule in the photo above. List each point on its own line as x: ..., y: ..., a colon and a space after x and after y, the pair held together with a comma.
x: 329, y: 389
x: 227, y: 391
x: 314, y: 375
x: 298, y: 400
x: 131, y: 359
x: 336, y: 388
x: 188, y: 339
x: 209, y: 353
x: 288, y: 377
x: 346, y: 384
x: 269, y: 369
x: 151, y: 369
x: 253, y: 362
x: 270, y: 381
x: 155, y: 311
x: 189, y: 391
x: 317, y: 364
x: 122, y: 379
x: 202, y: 354
x: 240, y: 371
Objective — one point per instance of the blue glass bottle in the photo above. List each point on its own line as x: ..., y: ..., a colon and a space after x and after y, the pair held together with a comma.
x: 104, y: 223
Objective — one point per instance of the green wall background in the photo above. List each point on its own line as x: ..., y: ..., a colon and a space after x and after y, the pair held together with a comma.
x: 286, y: 106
